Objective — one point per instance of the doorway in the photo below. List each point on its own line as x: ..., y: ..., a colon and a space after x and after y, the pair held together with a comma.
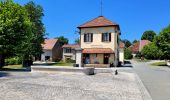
x: 106, y: 58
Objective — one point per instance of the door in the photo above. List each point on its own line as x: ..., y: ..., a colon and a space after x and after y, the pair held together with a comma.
x: 106, y: 58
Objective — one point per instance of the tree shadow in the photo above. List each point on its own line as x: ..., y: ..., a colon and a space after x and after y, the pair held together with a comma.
x: 127, y: 64
x: 4, y: 74
x: 16, y: 70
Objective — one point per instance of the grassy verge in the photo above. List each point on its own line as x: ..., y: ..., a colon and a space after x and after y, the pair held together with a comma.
x: 159, y: 64
x: 139, y: 60
x: 13, y: 67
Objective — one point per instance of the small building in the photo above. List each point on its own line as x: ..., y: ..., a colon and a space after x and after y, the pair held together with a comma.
x: 69, y: 52
x: 52, y: 49
x: 99, y: 41
x: 138, y: 46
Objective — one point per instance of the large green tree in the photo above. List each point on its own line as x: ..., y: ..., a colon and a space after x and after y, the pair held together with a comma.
x: 63, y: 40
x: 36, y: 13
x: 15, y: 29
x: 151, y: 51
x: 127, y: 43
x: 163, y: 42
x: 148, y: 35
x: 135, y: 41
x: 128, y: 54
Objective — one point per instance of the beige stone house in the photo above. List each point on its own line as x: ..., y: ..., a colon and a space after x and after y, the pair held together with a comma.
x: 52, y: 49
x: 69, y: 52
x: 99, y: 41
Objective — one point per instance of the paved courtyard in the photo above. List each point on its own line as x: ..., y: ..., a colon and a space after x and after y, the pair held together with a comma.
x: 71, y: 86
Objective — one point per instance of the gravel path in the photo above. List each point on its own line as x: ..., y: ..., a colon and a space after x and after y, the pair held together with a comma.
x: 71, y: 86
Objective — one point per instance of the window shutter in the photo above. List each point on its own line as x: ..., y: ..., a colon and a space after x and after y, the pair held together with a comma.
x: 85, y: 37
x: 91, y: 37
x: 110, y: 37
x: 102, y: 37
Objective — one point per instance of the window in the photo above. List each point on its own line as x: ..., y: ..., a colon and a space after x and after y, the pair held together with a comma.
x: 88, y: 37
x: 106, y: 37
x: 67, y: 50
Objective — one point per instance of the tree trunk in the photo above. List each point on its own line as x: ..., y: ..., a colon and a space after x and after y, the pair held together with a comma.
x: 2, y: 61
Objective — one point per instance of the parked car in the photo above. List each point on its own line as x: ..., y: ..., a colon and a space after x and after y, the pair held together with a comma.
x: 168, y: 63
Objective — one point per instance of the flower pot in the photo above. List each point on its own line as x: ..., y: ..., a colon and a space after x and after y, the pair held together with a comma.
x: 89, y: 71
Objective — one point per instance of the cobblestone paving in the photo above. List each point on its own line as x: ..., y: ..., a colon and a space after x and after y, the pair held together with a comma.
x: 71, y: 86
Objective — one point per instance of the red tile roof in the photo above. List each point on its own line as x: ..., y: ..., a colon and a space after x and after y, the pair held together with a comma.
x: 143, y: 43
x: 121, y: 44
x: 98, y: 22
x: 97, y: 50
x: 136, y: 47
x: 71, y: 46
x: 49, y: 44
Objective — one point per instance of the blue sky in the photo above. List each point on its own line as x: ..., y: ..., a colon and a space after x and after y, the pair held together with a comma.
x: 134, y: 16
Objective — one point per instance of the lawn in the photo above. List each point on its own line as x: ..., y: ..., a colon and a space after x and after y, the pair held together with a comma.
x: 163, y: 63
x: 13, y: 67
x: 139, y: 60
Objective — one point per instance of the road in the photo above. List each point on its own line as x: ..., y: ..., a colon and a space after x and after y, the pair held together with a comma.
x: 155, y: 79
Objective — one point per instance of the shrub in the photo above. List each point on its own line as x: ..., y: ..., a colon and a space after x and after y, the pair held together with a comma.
x: 151, y: 51
x: 13, y: 61
x: 128, y: 54
x: 138, y: 55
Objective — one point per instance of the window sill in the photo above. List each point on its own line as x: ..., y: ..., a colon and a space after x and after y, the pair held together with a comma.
x: 88, y: 42
x: 106, y: 41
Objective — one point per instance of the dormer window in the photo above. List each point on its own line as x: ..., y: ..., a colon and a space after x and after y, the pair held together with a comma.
x: 106, y: 37
x: 88, y: 37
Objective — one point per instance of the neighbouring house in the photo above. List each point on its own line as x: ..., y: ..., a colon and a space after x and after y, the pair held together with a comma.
x: 138, y: 46
x: 121, y: 51
x: 52, y: 49
x: 99, y: 41
x: 69, y: 52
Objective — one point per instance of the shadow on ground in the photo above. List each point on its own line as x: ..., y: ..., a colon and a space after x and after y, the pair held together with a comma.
x: 4, y: 74
x: 126, y: 64
x: 16, y: 70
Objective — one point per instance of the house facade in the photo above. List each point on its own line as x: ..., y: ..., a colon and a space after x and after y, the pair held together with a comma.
x: 99, y: 41
x: 52, y: 49
x: 69, y: 52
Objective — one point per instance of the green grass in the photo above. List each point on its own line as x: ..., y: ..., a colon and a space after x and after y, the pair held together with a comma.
x: 139, y: 60
x: 159, y: 64
x: 13, y: 67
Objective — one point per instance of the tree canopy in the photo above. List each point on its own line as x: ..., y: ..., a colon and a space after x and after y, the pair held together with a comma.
x: 35, y: 13
x: 127, y: 43
x: 151, y: 51
x: 148, y: 35
x: 134, y: 41
x: 163, y: 42
x: 128, y: 54
x: 63, y: 40
x: 15, y: 28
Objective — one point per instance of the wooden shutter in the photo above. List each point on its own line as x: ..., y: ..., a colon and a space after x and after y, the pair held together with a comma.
x: 110, y: 37
x: 91, y: 37
x: 85, y: 37
x: 102, y: 37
